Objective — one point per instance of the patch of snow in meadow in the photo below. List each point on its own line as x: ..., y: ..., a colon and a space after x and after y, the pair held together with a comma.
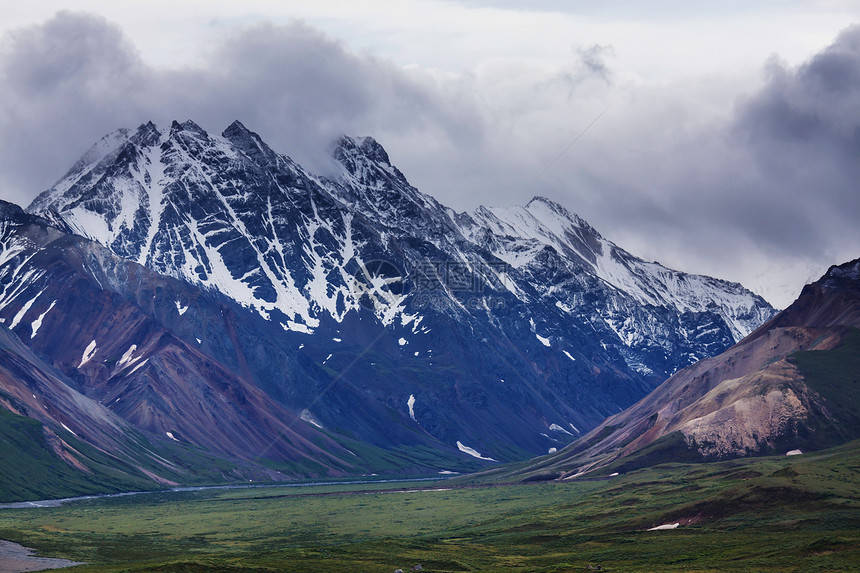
x: 665, y: 526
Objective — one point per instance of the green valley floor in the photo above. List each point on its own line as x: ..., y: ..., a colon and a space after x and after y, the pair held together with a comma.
x: 799, y: 513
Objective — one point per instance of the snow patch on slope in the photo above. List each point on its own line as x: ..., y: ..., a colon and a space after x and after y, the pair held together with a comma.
x: 89, y: 352
x: 472, y: 452
x: 24, y: 310
x: 557, y: 428
x: 310, y: 419
x: 37, y: 324
x: 411, y: 404
x: 138, y: 367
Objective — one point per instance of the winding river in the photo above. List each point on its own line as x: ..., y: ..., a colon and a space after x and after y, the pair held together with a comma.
x: 59, y: 502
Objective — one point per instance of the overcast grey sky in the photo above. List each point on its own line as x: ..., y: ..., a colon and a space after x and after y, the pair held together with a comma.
x: 721, y: 138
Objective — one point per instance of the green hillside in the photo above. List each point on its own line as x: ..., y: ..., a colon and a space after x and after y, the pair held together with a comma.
x: 30, y: 470
x: 835, y: 376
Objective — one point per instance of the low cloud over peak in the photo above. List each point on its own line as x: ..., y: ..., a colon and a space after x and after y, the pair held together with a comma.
x: 754, y: 185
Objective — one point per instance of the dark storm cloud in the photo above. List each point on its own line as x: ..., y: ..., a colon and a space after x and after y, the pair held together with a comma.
x: 309, y: 88
x: 766, y: 194
x: 816, y: 106
x: 803, y: 128
x: 71, y: 80
x: 59, y: 82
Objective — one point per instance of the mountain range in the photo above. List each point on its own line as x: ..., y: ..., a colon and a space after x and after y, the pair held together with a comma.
x: 791, y: 386
x: 205, y: 293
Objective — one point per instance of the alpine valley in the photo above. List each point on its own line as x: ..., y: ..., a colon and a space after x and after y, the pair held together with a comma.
x: 792, y: 386
x: 183, y: 307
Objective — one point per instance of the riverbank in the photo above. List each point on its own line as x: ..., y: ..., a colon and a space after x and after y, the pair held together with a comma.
x: 15, y: 558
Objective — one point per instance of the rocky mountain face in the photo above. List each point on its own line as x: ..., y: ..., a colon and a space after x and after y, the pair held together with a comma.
x: 88, y: 349
x: 364, y: 307
x: 793, y: 384
x: 105, y: 326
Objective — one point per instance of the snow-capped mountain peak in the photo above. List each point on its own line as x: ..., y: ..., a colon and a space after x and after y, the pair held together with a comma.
x: 523, y: 233
x: 231, y: 214
x: 250, y: 143
x: 545, y: 223
x: 365, y: 162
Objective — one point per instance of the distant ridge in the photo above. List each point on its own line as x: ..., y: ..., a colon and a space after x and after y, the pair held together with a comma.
x: 793, y: 385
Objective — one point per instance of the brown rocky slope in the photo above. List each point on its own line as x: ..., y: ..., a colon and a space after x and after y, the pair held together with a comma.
x: 791, y: 384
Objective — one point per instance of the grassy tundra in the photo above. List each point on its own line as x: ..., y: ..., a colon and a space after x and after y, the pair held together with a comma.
x: 797, y: 513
